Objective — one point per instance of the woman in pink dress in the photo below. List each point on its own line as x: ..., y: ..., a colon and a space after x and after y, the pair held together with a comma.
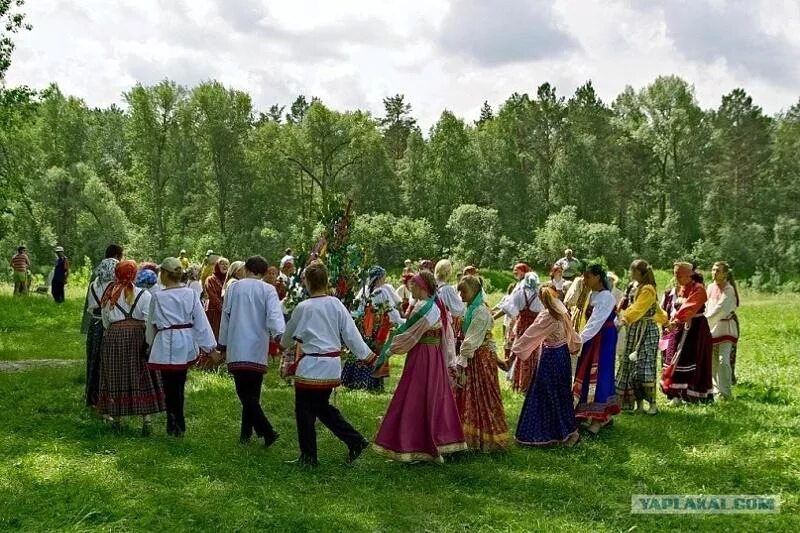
x: 422, y: 422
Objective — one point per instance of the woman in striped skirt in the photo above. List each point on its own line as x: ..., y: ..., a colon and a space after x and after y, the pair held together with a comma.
x: 127, y: 386
x: 94, y: 335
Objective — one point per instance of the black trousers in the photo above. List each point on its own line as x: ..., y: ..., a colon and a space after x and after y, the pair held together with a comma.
x: 57, y: 288
x: 174, y: 385
x: 310, y: 405
x: 248, y: 388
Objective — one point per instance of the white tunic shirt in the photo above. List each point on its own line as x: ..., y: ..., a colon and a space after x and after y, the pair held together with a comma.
x: 117, y: 313
x: 96, y: 290
x: 177, y: 347
x: 251, y: 314
x: 603, y: 303
x: 521, y: 298
x: 321, y: 325
x: 450, y: 298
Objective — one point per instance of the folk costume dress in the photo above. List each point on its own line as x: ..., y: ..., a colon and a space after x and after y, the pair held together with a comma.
x: 422, y: 422
x: 642, y: 318
x: 548, y: 414
x: 721, y: 313
x: 213, y: 290
x: 594, y: 389
x: 104, y: 276
x: 477, y: 392
x: 250, y: 317
x: 448, y: 295
x: 320, y: 325
x: 688, y: 373
x: 523, y: 306
x: 176, y: 328
x: 378, y: 313
x: 127, y: 386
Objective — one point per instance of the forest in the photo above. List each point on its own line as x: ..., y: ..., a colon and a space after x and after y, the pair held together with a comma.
x: 651, y: 174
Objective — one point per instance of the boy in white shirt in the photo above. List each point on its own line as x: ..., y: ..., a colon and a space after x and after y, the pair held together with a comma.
x: 320, y: 324
x: 251, y: 314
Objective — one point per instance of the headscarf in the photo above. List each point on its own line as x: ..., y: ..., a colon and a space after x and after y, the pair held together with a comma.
x: 105, y: 270
x: 470, y: 270
x: 531, y: 282
x: 145, y: 279
x: 427, y: 264
x: 193, y: 273
x: 422, y: 283
x: 218, y: 273
x: 375, y: 273
x: 522, y: 267
x: 125, y: 274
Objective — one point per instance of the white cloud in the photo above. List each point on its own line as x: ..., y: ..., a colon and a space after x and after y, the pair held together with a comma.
x: 442, y: 54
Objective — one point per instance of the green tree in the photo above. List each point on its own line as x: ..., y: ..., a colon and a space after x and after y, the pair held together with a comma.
x: 12, y: 20
x: 396, y: 125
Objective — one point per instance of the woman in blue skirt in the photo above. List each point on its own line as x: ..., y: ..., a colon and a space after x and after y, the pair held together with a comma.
x: 548, y: 416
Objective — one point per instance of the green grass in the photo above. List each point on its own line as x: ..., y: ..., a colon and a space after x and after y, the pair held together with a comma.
x: 61, y: 469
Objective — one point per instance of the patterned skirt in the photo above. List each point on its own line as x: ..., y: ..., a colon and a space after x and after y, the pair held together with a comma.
x: 94, y: 342
x: 480, y: 404
x: 594, y: 391
x: 688, y: 374
x: 524, y: 371
x: 127, y: 386
x: 548, y: 416
x: 356, y: 376
x: 636, y: 380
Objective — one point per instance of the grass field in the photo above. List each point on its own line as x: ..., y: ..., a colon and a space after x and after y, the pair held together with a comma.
x: 62, y: 469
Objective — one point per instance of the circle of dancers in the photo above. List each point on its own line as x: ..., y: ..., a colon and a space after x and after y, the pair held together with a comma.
x: 578, y: 348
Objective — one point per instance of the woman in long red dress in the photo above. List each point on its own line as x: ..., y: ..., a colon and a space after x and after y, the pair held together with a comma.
x: 422, y: 422
x: 213, y: 287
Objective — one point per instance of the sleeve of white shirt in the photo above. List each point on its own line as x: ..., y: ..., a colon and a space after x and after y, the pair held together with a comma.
x: 723, y: 307
x: 602, y: 305
x: 142, y: 311
x: 104, y: 314
x: 452, y: 301
x: 351, y: 336
x: 386, y: 295
x: 514, y: 303
x: 287, y: 340
x: 275, y: 322
x: 149, y: 327
x: 201, y: 328
x: 226, y: 317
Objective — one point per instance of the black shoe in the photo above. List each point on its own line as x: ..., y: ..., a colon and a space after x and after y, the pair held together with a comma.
x: 270, y: 439
x: 356, y: 451
x: 304, y: 462
x: 244, y: 439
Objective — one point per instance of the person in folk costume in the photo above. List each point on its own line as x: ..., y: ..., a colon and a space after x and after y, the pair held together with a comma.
x: 403, y: 293
x: 594, y: 388
x: 688, y: 375
x: 127, y: 386
x: 377, y: 306
x: 191, y: 278
x: 251, y: 316
x: 235, y: 273
x: 113, y: 251
x: 557, y: 280
x: 427, y: 265
x: 449, y: 297
x: 104, y: 276
x: 207, y: 270
x: 523, y: 306
x: 408, y: 268
x: 213, y: 289
x: 422, y: 422
x: 477, y: 385
x: 548, y: 414
x: 508, y: 322
x: 723, y: 299
x: 320, y: 324
x: 642, y: 319
x: 184, y: 259
x: 59, y: 275
x: 146, y: 279
x: 271, y: 277
x: 176, y: 326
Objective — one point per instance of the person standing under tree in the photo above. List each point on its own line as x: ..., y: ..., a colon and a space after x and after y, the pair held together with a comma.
x: 60, y: 275
x: 21, y: 264
x: 570, y: 265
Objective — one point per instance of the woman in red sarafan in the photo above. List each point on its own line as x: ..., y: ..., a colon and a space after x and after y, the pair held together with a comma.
x: 524, y: 306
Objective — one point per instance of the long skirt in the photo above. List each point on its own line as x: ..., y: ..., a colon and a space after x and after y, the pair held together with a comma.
x: 127, y: 386
x: 214, y: 318
x: 94, y: 342
x: 636, y: 380
x: 480, y: 404
x: 594, y: 390
x: 524, y: 371
x: 688, y: 375
x: 357, y: 376
x: 422, y: 422
x: 548, y: 416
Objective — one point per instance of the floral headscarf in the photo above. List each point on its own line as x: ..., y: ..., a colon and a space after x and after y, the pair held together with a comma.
x: 125, y: 275
x: 104, y: 273
x: 146, y: 278
x: 531, y: 281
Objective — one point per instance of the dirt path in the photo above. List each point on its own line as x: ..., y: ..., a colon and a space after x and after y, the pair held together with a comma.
x: 28, y: 364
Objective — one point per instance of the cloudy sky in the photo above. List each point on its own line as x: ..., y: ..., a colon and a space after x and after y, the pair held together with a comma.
x: 441, y: 54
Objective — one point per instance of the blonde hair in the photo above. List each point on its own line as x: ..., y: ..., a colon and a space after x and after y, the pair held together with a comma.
x: 471, y: 284
x: 235, y: 272
x: 443, y: 270
x: 549, y: 298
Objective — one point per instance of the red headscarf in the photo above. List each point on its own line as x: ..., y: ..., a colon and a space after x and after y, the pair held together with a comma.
x: 218, y: 273
x: 522, y: 267
x: 125, y: 274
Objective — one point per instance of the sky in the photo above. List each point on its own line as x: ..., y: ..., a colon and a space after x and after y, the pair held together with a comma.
x: 441, y: 54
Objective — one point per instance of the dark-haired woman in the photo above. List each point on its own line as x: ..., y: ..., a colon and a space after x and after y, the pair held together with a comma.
x: 422, y: 422
x: 548, y: 415
x: 723, y: 299
x: 594, y: 389
x: 687, y: 370
x: 636, y: 379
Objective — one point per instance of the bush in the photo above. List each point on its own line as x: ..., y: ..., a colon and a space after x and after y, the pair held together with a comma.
x: 474, y: 231
x: 388, y: 240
